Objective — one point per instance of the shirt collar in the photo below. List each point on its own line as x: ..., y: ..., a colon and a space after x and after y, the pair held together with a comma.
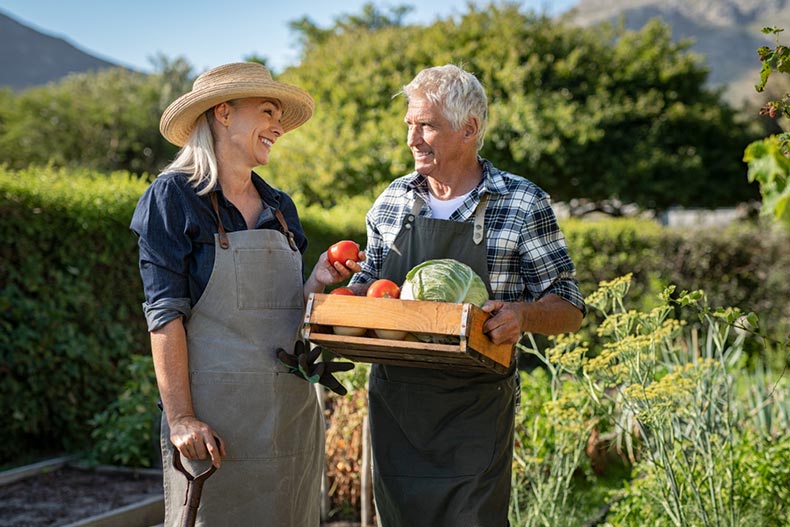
x: 267, y: 193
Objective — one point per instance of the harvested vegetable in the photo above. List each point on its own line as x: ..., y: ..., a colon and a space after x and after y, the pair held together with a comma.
x: 444, y: 280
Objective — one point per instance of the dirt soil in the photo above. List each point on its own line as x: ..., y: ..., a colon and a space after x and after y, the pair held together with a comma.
x: 70, y: 494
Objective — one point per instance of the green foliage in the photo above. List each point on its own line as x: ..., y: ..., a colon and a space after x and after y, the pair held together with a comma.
x: 126, y: 432
x: 585, y: 113
x: 769, y: 166
x: 68, y: 303
x: 775, y: 60
x: 769, y: 158
x: 73, y: 341
x: 743, y: 264
x: 549, y: 452
x: 106, y: 121
x: 671, y: 397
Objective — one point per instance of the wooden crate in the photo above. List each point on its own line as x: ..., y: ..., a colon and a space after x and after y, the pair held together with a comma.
x: 473, y: 351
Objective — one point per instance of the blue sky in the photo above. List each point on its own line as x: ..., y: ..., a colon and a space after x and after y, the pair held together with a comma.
x: 131, y: 32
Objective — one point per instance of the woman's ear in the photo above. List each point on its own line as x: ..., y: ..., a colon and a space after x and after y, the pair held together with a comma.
x: 222, y: 113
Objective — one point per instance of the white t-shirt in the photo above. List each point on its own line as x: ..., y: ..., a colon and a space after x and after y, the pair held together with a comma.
x: 442, y: 209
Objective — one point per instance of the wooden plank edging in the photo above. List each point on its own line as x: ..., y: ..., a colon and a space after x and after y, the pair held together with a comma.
x: 26, y: 471
x: 150, y: 511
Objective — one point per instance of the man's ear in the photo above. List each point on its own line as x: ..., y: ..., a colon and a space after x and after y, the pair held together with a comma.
x: 471, y: 128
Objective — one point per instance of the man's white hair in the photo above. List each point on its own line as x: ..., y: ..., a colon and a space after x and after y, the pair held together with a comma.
x: 457, y: 92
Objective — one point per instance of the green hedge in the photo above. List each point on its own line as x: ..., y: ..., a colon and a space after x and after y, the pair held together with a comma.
x: 69, y: 303
x: 70, y: 300
x: 70, y: 293
x: 743, y: 264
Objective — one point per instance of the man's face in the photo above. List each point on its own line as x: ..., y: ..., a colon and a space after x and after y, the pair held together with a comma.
x: 436, y: 147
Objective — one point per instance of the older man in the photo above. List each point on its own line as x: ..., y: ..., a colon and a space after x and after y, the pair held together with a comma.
x: 443, y: 440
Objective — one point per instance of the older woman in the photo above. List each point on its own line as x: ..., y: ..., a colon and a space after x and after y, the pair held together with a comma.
x: 221, y: 264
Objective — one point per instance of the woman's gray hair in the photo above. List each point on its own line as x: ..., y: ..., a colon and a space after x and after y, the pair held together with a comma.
x: 457, y: 92
x: 197, y: 156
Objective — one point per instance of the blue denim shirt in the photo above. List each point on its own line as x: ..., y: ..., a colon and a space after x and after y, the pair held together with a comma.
x: 175, y: 229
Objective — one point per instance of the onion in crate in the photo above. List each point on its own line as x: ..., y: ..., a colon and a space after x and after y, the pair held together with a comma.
x: 347, y: 331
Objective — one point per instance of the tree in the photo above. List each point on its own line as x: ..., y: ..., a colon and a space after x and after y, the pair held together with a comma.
x: 598, y: 113
x: 108, y: 120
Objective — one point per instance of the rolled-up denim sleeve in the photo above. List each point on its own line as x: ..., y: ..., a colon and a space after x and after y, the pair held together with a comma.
x: 159, y: 313
x: 164, y: 248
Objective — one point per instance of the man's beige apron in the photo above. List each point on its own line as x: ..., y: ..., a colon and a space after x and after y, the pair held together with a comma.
x: 269, y: 419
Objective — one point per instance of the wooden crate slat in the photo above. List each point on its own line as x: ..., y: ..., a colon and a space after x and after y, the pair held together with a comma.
x: 473, y: 352
x: 439, y: 318
x: 373, y: 356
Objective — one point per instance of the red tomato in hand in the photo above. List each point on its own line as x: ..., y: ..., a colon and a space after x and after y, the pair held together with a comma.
x: 342, y: 291
x: 342, y: 252
x: 384, y: 288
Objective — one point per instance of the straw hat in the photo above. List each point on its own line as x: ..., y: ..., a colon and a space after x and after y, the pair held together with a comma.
x: 227, y: 82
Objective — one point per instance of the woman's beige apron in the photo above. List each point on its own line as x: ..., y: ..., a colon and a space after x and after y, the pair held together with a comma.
x: 269, y: 419
x: 442, y: 441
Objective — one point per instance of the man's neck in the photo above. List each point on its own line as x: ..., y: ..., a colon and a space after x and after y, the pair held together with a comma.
x: 455, y: 182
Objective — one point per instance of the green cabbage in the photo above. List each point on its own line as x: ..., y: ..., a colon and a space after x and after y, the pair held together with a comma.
x: 444, y: 280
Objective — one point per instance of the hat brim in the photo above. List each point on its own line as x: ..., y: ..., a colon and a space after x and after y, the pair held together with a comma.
x: 180, y: 117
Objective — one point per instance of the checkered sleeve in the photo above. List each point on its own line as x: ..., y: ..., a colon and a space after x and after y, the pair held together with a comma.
x: 374, y: 249
x: 546, y: 265
x: 382, y: 223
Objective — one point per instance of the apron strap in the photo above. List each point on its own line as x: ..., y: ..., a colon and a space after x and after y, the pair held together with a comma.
x: 223, y: 236
x: 288, y: 234
x: 480, y: 217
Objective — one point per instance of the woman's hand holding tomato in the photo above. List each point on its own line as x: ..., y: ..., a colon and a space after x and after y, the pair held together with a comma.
x: 332, y: 268
x: 343, y: 251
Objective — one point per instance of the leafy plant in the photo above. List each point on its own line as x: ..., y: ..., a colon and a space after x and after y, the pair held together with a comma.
x: 672, y: 397
x: 769, y: 159
x: 125, y: 433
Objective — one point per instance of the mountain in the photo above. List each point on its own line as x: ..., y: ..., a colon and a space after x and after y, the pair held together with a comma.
x: 31, y: 58
x: 725, y: 32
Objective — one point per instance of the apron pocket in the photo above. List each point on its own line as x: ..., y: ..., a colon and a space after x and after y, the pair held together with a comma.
x: 276, y: 270
x: 420, y: 430
x: 259, y: 415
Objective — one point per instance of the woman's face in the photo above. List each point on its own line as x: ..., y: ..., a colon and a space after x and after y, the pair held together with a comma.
x: 253, y: 126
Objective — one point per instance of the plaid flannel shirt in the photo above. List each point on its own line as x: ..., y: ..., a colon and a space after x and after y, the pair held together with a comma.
x: 527, y: 254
